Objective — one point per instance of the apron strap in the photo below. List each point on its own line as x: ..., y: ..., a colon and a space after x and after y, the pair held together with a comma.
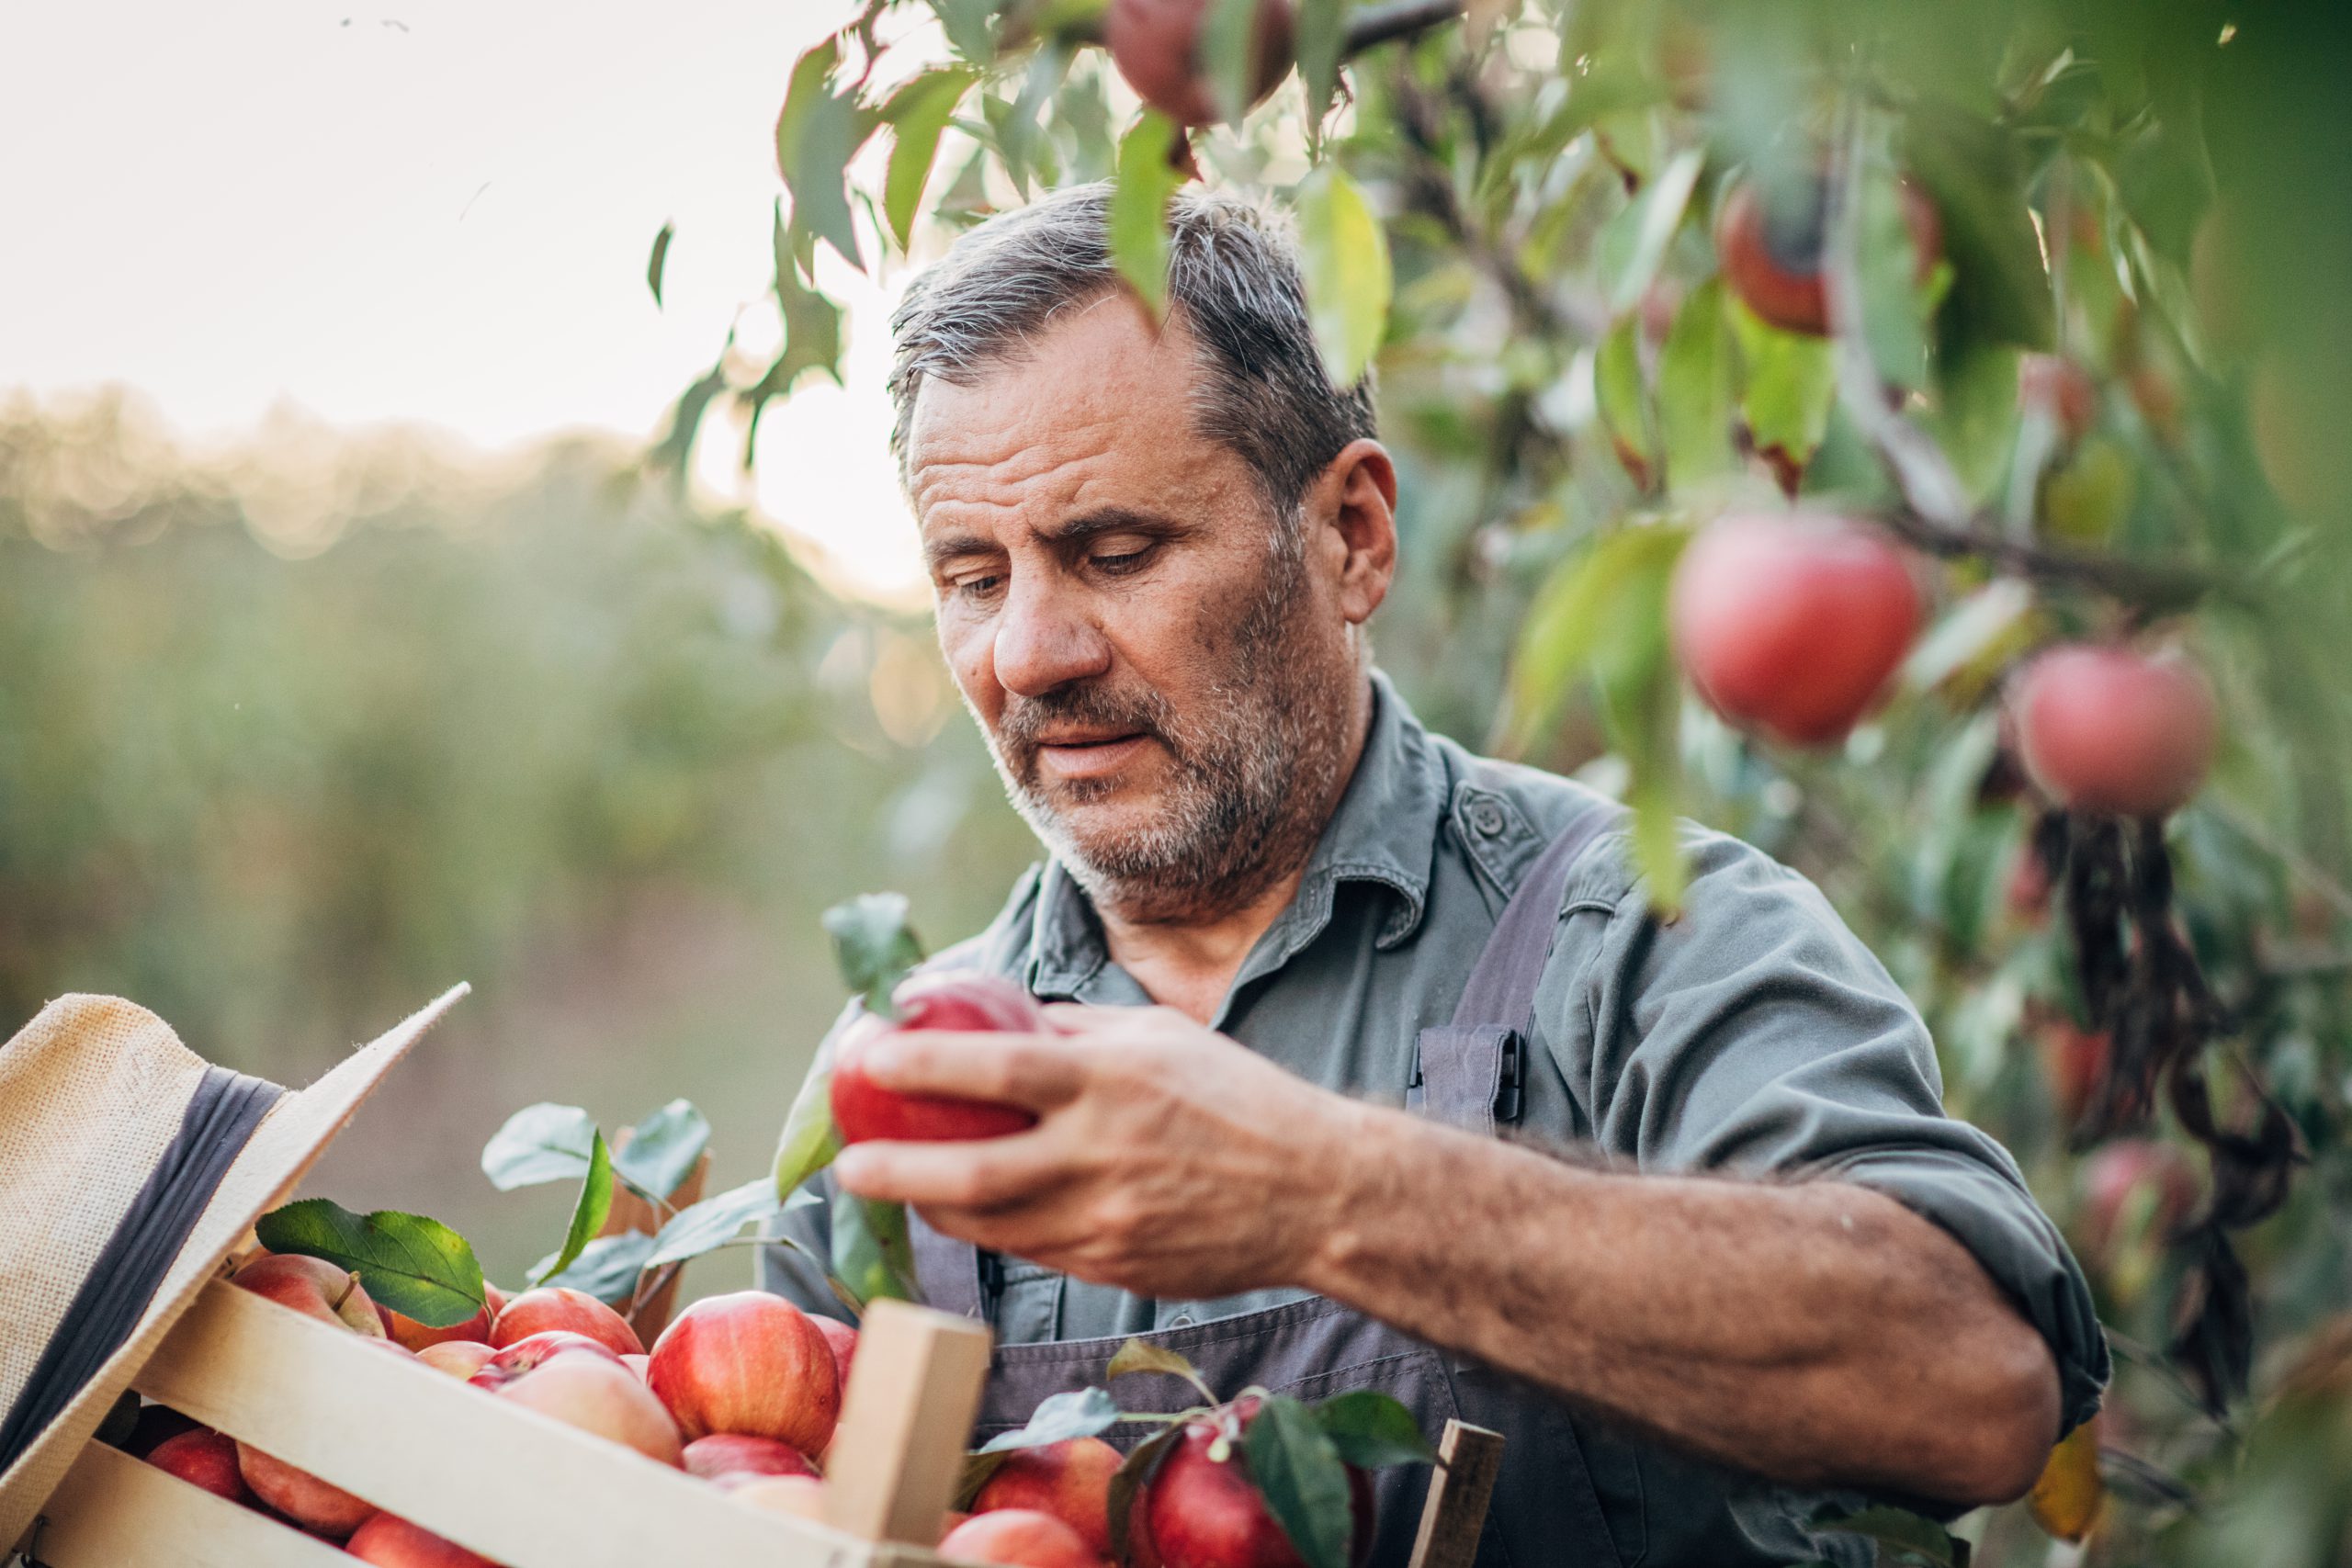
x: 1468, y: 1074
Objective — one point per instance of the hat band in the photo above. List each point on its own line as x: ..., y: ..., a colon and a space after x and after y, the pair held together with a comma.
x: 220, y: 1121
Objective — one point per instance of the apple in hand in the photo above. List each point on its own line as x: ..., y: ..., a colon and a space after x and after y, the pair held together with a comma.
x: 962, y: 1000
x: 576, y: 1312
x: 317, y: 1506
x: 739, y: 1454
x: 1018, y: 1538
x: 1203, y: 1512
x: 598, y: 1395
x: 1071, y: 1480
x: 747, y: 1362
x: 202, y: 1457
x: 391, y: 1541
x: 314, y: 1288
x: 1790, y: 624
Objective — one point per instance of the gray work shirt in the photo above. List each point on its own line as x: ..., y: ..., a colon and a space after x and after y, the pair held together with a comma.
x: 1754, y: 1034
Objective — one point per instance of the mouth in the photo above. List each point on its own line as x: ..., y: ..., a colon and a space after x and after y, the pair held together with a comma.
x: 1089, y: 755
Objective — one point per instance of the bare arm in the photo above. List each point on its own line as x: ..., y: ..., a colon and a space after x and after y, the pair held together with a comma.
x: 1814, y: 1334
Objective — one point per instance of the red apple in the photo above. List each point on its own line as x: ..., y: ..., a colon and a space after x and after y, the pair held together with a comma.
x: 2133, y: 1190
x: 2075, y: 1061
x: 314, y: 1288
x: 576, y: 1312
x: 843, y: 1338
x: 747, y: 1362
x: 157, y: 1424
x: 504, y: 1366
x: 460, y: 1358
x: 600, y: 1396
x: 2111, y: 730
x: 2059, y: 389
x: 1156, y: 46
x: 1770, y: 251
x: 802, y: 1496
x: 1071, y: 1480
x: 204, y: 1457
x: 494, y: 1298
x: 1202, y: 1511
x: 1018, y: 1538
x: 1790, y: 623
x: 313, y: 1504
x: 738, y: 1453
x: 964, y: 1000
x: 389, y: 1541
x: 411, y: 1334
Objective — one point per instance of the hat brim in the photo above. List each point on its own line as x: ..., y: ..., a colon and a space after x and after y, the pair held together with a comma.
x: 280, y: 1153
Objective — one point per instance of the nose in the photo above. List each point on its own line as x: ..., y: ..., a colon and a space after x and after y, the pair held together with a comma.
x: 1044, y: 639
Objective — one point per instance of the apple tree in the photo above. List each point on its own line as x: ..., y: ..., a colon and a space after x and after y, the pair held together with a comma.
x: 1893, y: 434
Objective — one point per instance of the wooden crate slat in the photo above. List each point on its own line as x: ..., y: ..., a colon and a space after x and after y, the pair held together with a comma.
x: 509, y: 1483
x: 1460, y: 1489
x: 114, y: 1511
x: 912, y: 1392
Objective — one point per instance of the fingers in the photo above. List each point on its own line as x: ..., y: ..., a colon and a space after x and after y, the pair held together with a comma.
x: 1041, y: 1072
x: 984, y: 1176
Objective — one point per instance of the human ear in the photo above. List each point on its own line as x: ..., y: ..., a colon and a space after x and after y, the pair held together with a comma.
x: 1354, y: 501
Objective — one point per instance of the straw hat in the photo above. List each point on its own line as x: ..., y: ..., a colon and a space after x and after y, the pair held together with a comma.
x: 130, y: 1169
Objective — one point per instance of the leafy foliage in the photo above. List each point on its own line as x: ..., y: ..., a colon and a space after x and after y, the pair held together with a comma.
x: 413, y: 1265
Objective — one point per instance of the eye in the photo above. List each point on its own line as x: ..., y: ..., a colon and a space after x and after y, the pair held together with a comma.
x: 1118, y: 563
x: 978, y: 588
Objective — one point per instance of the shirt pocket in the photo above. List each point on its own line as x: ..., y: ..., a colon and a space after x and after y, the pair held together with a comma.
x: 1029, y: 1304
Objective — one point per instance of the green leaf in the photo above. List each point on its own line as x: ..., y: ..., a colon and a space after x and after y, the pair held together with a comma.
x: 1623, y: 403
x: 1694, y: 390
x: 1347, y: 272
x: 540, y: 1144
x: 1976, y: 414
x: 1295, y: 1467
x: 1128, y: 1480
x: 1226, y: 49
x: 809, y: 1142
x: 588, y: 1215
x: 663, y: 1149
x: 1371, y: 1429
x: 966, y: 23
x: 660, y: 258
x: 873, y: 1257
x: 607, y: 1267
x: 697, y: 1228
x: 872, y: 946
x: 1897, y: 308
x: 812, y: 323
x: 1911, y: 1537
x: 1791, y: 386
x: 417, y: 1266
x: 685, y: 419
x: 917, y: 113
x: 1975, y: 174
x: 1589, y: 609
x: 815, y: 135
x: 1634, y: 242
x: 1083, y: 1413
x: 1322, y: 42
x: 1140, y: 1356
x: 1138, y: 216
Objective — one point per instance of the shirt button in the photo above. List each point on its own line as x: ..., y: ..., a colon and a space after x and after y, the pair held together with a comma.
x: 1181, y: 1320
x: 1486, y: 820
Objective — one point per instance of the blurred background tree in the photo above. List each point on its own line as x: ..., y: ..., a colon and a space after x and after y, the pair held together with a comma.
x: 288, y: 741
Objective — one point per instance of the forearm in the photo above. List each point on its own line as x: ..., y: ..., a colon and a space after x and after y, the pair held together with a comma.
x: 1815, y: 1333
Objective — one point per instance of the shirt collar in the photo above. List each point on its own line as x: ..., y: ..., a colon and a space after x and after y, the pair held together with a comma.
x: 1384, y: 833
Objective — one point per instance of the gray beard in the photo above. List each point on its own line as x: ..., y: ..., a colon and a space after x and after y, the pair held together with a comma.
x: 1255, y: 770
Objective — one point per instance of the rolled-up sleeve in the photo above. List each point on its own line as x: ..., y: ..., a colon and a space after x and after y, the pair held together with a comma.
x: 1755, y: 1034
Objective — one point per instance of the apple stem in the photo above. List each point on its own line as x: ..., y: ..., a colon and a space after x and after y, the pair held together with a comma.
x: 350, y: 1284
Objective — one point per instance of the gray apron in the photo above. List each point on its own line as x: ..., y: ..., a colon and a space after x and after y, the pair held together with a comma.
x: 1469, y: 1075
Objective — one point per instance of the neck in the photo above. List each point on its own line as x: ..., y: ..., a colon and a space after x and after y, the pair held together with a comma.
x: 1189, y: 963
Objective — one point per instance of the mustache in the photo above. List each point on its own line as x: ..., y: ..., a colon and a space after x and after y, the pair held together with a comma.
x: 1022, y: 726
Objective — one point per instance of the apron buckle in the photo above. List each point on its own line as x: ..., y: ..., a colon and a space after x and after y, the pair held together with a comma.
x: 1510, y: 1092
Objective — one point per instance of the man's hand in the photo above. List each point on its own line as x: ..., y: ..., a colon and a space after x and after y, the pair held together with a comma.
x: 1168, y: 1160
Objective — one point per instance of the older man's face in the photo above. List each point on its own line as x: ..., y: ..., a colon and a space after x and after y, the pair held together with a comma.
x: 1162, y: 670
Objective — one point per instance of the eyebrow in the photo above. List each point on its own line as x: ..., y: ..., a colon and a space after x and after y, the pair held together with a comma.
x: 1063, y: 535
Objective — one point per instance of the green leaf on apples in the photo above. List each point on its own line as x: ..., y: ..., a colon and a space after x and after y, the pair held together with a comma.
x: 714, y: 1222
x: 809, y: 1142
x: 1791, y: 385
x: 663, y: 1149
x: 607, y: 1267
x: 1624, y: 401
x: 873, y: 1257
x: 1141, y: 1356
x: 540, y: 1144
x: 419, y: 1267
x: 1129, y: 1481
x: 1596, y: 612
x: 874, y: 947
x: 1371, y: 1429
x: 588, y: 1215
x: 1346, y: 273
x: 1137, y: 222
x: 1297, y: 1468
x: 1633, y: 244
x: 1694, y: 390
x: 1083, y: 1413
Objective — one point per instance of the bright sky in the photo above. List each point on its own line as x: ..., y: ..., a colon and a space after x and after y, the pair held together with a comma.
x: 425, y: 210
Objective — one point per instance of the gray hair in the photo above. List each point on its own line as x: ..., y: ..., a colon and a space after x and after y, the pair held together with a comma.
x: 1233, y: 282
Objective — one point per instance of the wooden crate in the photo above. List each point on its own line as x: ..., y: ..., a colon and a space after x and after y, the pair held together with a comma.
x: 514, y: 1485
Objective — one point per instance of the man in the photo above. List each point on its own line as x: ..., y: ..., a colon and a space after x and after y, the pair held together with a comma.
x: 1771, y: 1272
